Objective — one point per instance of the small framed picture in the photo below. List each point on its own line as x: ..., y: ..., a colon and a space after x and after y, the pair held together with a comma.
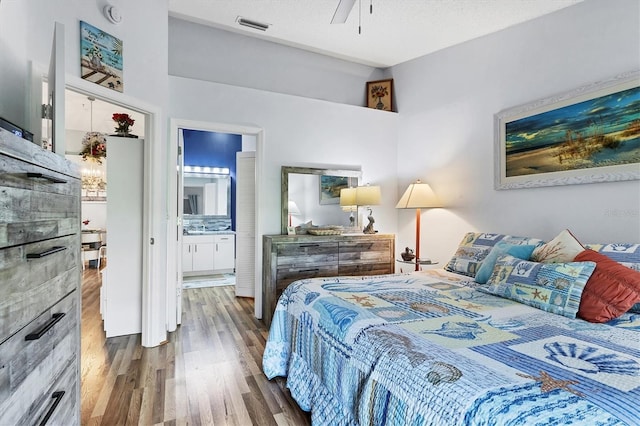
x: 379, y: 94
x: 291, y: 230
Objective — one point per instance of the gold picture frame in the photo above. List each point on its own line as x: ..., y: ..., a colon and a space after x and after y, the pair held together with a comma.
x: 380, y: 94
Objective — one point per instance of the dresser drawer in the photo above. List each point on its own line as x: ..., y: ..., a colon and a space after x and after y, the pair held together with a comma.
x: 29, y: 286
x: 36, y: 203
x: 365, y: 251
x: 286, y: 276
x: 365, y: 258
x: 304, y: 255
x: 365, y: 269
x: 32, y: 370
x: 57, y: 406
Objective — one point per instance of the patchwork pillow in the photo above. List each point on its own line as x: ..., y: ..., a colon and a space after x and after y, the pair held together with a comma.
x: 475, y: 246
x: 563, y: 248
x: 551, y: 287
x: 500, y: 249
x: 626, y: 254
x: 611, y: 290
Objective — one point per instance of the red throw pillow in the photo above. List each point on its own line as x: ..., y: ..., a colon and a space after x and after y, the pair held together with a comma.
x: 611, y: 290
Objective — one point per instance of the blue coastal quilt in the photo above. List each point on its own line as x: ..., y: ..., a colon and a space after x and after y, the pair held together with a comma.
x: 428, y: 349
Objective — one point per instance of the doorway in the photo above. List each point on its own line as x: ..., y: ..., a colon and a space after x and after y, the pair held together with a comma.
x: 153, y: 326
x: 112, y: 170
x: 252, y: 138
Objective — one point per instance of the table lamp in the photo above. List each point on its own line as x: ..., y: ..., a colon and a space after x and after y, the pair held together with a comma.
x: 368, y: 196
x: 348, y: 203
x: 292, y: 209
x: 418, y: 196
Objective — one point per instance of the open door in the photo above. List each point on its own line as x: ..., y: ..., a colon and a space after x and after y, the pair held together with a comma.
x: 56, y: 88
x: 179, y: 212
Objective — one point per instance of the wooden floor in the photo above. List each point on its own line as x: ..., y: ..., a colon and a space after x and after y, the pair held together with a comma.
x: 209, y: 373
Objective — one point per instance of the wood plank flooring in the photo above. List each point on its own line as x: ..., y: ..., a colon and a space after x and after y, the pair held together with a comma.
x: 208, y: 373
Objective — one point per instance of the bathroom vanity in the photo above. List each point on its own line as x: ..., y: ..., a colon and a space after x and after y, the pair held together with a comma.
x: 208, y: 252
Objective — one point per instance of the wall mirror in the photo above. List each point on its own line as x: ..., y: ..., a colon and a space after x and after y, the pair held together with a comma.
x: 207, y: 194
x: 315, y: 194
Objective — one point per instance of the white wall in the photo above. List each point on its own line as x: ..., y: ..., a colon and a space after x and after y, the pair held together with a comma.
x: 298, y: 131
x: 447, y: 101
x: 210, y: 54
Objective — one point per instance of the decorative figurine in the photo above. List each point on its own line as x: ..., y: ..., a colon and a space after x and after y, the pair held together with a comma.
x: 407, y: 255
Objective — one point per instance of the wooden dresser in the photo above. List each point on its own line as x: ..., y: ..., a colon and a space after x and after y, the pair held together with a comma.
x: 287, y: 258
x: 40, y: 275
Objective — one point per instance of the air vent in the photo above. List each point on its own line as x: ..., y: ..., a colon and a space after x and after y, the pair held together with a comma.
x: 252, y: 24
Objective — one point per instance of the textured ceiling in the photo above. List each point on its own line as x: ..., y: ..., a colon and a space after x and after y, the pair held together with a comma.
x: 397, y: 31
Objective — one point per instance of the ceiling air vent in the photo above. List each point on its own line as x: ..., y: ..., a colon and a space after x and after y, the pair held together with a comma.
x: 252, y: 24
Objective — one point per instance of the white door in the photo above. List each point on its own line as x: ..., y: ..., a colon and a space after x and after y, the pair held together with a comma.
x: 55, y: 88
x: 124, y: 236
x: 179, y: 240
x: 245, y: 223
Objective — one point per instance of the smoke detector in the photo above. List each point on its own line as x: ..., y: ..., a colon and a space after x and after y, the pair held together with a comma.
x: 112, y: 14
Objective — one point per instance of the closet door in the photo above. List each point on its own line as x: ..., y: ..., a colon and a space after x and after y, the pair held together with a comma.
x: 245, y: 223
x: 124, y: 236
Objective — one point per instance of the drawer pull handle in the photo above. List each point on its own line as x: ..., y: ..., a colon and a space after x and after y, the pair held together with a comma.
x: 309, y: 245
x: 309, y: 270
x: 57, y: 396
x: 47, y: 177
x: 52, y: 250
x: 38, y: 334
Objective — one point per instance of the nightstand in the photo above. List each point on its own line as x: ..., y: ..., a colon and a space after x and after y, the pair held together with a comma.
x: 423, y: 264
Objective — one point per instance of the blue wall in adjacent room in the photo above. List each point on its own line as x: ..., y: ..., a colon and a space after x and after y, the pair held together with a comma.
x: 214, y: 150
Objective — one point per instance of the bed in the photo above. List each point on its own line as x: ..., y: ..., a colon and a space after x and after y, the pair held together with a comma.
x: 436, y: 348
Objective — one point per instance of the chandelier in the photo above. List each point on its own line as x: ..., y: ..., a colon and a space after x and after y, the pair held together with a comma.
x: 94, y: 149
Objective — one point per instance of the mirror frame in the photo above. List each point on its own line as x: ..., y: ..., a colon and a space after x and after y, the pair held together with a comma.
x: 284, y: 180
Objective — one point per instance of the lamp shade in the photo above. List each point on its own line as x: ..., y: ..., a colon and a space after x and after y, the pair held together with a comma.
x: 348, y: 197
x: 368, y: 195
x: 417, y: 196
x: 293, y: 209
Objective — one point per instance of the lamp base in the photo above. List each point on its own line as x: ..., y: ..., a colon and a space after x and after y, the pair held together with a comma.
x: 369, y: 228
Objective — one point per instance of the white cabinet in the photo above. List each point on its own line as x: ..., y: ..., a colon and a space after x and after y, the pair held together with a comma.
x: 224, y: 256
x: 197, y: 253
x: 208, y: 253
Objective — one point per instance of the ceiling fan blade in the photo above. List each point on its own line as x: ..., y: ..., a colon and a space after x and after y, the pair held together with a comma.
x: 342, y: 11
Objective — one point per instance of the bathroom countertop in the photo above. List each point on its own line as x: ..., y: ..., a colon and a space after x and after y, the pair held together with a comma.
x: 225, y: 232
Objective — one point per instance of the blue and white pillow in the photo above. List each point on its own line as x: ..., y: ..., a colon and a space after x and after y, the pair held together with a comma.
x: 500, y: 249
x: 475, y: 246
x: 551, y: 287
x: 626, y: 254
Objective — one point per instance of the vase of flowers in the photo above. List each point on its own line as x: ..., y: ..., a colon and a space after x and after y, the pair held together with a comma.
x: 94, y: 147
x: 379, y: 92
x: 124, y: 122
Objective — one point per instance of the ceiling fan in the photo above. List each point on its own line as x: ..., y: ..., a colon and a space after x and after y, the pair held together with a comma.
x: 342, y: 11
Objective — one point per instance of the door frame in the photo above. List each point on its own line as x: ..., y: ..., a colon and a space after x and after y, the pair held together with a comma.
x: 153, y: 284
x: 174, y: 227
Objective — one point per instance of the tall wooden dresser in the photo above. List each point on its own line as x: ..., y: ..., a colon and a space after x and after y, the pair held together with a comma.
x: 40, y: 277
x: 287, y: 258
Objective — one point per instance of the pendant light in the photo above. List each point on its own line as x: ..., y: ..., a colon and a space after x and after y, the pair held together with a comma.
x: 94, y: 148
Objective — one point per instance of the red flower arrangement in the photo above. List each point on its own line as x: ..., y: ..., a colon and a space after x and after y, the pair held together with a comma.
x: 124, y: 122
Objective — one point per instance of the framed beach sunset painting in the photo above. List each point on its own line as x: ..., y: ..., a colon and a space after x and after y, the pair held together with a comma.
x: 588, y: 135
